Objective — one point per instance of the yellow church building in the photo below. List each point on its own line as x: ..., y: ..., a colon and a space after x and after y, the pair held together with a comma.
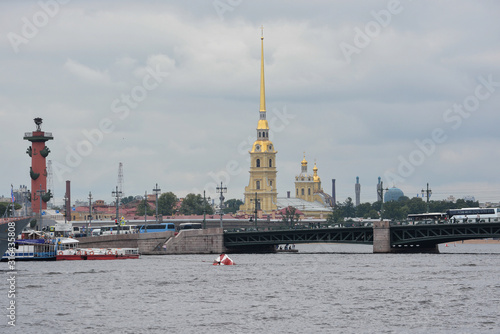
x: 261, y: 193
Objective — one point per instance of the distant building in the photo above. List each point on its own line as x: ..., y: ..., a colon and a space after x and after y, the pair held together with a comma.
x: 393, y: 194
x: 469, y: 198
x: 450, y: 199
x: 308, y: 187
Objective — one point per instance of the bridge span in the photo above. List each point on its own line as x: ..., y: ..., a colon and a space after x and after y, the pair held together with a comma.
x: 384, y: 237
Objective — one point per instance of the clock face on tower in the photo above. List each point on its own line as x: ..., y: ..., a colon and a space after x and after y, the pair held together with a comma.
x: 270, y: 147
x: 257, y: 147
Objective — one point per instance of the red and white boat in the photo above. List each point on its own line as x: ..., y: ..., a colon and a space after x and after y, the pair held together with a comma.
x: 67, y: 250
x: 223, y: 260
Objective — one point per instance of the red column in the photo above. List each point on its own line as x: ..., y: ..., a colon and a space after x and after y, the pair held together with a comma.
x: 38, y: 172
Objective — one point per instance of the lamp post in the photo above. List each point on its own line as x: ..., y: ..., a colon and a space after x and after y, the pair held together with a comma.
x: 156, y: 190
x: 12, y: 200
x: 90, y: 214
x: 427, y: 193
x: 64, y: 212
x: 381, y: 193
x: 204, y: 211
x: 221, y: 189
x: 256, y: 210
x: 117, y: 194
x: 145, y: 211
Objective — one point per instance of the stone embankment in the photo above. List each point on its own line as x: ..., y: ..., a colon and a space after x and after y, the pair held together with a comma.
x: 207, y: 241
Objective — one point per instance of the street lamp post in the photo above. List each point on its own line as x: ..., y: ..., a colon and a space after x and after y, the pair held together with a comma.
x: 427, y: 193
x: 221, y: 189
x: 204, y: 211
x: 256, y: 210
x: 65, y: 200
x: 146, y: 211
x: 90, y: 214
x: 117, y: 194
x: 381, y: 193
x: 156, y: 190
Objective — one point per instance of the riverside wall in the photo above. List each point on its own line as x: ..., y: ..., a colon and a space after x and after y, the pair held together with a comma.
x: 206, y: 241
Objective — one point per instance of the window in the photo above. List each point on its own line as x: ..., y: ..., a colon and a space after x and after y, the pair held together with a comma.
x: 309, y: 191
x: 297, y: 191
x: 258, y: 184
x: 258, y: 163
x: 271, y: 183
x: 270, y: 162
x: 302, y: 191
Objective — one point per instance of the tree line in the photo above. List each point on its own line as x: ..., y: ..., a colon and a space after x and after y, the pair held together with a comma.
x: 192, y: 204
x: 394, y: 210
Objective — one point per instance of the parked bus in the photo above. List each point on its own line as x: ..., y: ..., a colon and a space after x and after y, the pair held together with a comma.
x: 162, y: 227
x: 474, y: 215
x: 113, y: 229
x: 190, y: 226
x: 427, y: 218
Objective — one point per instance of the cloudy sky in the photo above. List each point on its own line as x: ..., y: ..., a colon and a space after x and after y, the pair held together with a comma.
x: 408, y: 91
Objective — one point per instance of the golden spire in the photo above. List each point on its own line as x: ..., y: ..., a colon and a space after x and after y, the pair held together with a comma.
x: 262, y: 87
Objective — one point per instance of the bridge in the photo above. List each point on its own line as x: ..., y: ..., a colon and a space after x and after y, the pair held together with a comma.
x: 384, y: 237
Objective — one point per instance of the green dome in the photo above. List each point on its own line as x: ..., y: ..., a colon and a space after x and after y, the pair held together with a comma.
x: 393, y: 194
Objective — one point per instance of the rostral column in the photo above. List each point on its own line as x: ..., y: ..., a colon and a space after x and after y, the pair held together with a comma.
x: 38, y: 170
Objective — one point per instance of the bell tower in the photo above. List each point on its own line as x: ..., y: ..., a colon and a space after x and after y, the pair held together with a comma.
x: 261, y: 193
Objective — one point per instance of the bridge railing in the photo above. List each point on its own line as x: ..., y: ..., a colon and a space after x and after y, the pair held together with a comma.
x: 447, y: 221
x: 318, y: 225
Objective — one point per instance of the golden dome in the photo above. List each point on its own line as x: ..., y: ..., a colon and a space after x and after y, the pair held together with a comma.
x: 316, y: 177
x: 304, y: 161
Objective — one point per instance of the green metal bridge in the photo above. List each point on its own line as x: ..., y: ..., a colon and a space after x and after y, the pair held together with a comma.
x: 402, y: 237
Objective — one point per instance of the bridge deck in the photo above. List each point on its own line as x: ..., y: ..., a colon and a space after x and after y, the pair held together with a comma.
x: 400, y: 235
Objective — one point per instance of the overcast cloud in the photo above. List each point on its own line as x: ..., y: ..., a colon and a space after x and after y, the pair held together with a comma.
x: 171, y: 90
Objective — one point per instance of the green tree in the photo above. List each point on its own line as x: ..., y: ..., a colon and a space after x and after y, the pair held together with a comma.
x: 193, y: 205
x: 348, y: 208
x: 6, y: 208
x: 232, y: 205
x: 373, y: 214
x: 290, y: 216
x: 127, y: 200
x: 416, y: 205
x: 377, y: 206
x: 363, y: 210
x: 144, y: 205
x: 166, y: 203
x: 341, y: 211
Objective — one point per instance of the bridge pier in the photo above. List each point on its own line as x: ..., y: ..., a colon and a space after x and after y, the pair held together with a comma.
x: 382, y: 237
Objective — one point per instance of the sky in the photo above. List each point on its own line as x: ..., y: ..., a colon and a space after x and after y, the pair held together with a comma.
x: 408, y: 91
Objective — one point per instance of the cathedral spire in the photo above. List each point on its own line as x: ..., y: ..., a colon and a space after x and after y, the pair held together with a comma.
x: 262, y: 86
x: 262, y: 126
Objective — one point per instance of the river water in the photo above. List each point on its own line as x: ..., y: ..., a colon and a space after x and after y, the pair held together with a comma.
x: 321, y: 289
